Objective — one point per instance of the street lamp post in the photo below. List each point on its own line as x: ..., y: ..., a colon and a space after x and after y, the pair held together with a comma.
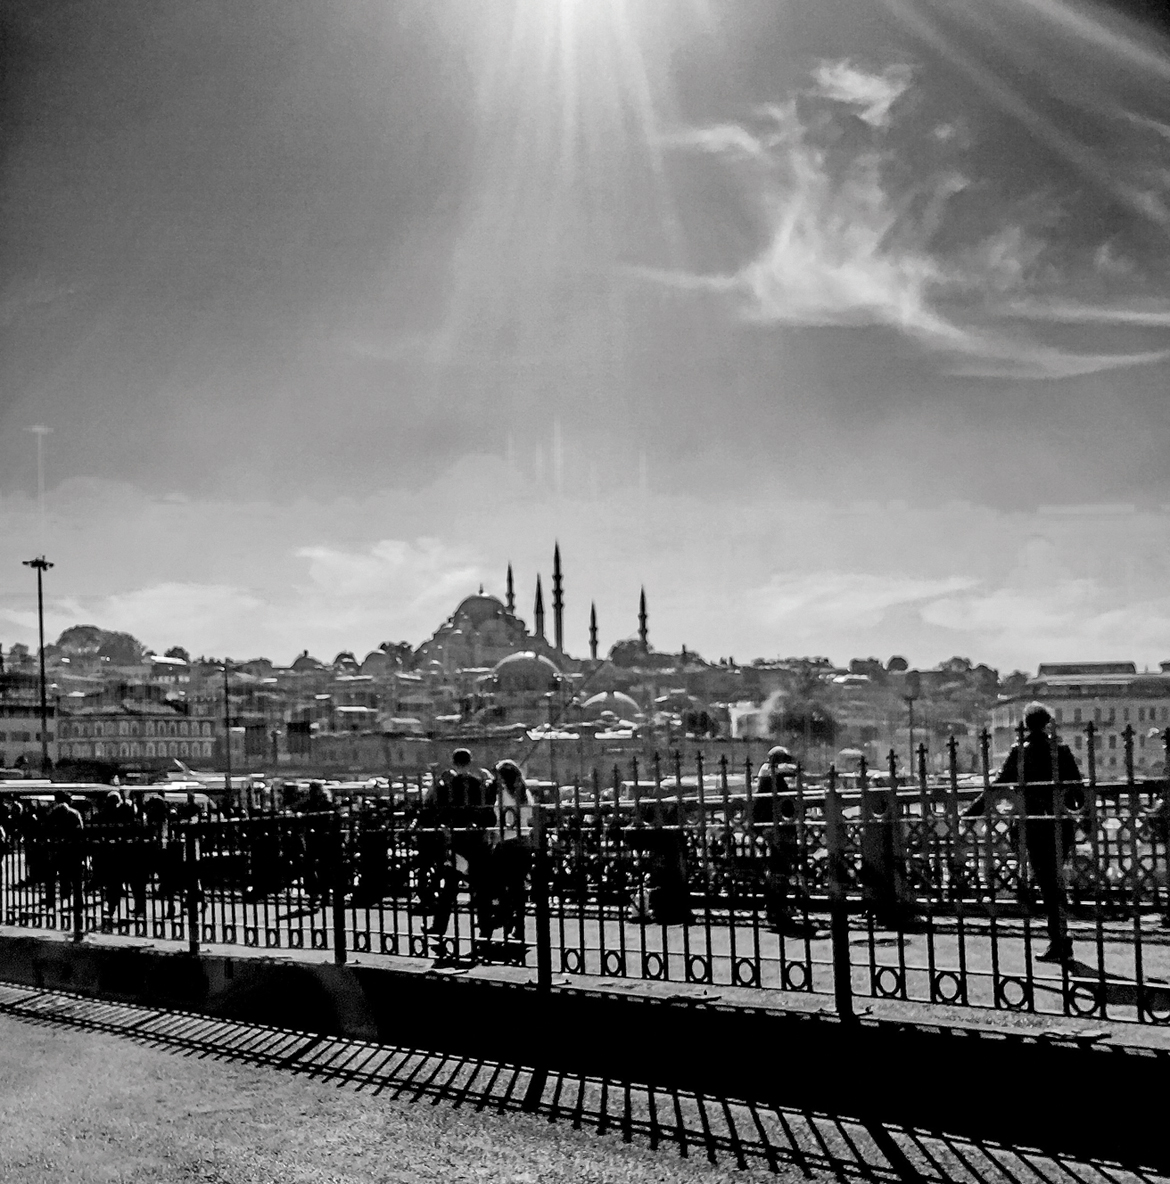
x: 227, y: 739
x: 41, y: 564
x: 912, y: 693
x: 910, y: 700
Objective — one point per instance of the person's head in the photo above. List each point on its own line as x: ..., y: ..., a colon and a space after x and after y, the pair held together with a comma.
x: 779, y: 755
x: 62, y: 796
x: 1036, y: 717
x: 113, y: 798
x: 509, y: 773
x: 461, y: 758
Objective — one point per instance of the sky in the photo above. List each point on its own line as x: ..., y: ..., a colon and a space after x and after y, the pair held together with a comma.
x: 843, y: 326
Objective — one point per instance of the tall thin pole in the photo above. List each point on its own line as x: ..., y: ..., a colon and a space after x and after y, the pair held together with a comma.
x: 227, y: 739
x: 910, y: 704
x: 41, y: 564
x: 41, y: 431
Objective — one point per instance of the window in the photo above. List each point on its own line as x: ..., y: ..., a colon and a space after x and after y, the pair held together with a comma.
x: 183, y: 748
x: 123, y: 749
x: 1060, y: 715
x: 206, y: 729
x: 1076, y: 741
x: 1125, y: 714
x: 123, y: 728
x: 1112, y: 715
x: 150, y: 727
x: 172, y: 748
x: 1113, y: 741
x: 150, y: 747
x: 1141, y: 741
x: 1076, y: 715
x: 135, y: 748
x: 1141, y: 715
x: 1096, y: 715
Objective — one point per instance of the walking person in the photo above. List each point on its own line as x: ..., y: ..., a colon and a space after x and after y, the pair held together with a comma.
x: 1047, y: 841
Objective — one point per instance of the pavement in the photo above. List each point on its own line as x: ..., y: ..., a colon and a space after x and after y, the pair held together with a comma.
x: 94, y: 1091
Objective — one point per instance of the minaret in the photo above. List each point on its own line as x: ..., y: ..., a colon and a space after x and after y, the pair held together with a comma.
x: 511, y: 598
x: 593, y: 631
x: 643, y: 620
x: 558, y: 601
x: 538, y: 612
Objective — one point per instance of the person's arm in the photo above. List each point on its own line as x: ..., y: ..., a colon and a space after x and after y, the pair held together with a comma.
x: 1006, y: 776
x: 1066, y: 764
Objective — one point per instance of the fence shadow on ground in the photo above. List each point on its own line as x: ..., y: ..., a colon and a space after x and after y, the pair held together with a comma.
x: 724, y: 1131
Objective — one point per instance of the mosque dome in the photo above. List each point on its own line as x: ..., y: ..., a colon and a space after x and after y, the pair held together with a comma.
x: 623, y: 706
x: 526, y: 672
x: 478, y: 609
x: 375, y: 662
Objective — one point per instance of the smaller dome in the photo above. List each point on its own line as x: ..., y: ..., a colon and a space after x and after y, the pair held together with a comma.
x: 526, y: 671
x: 619, y: 704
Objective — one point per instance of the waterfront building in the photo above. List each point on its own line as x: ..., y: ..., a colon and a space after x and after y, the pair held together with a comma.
x: 1111, y: 696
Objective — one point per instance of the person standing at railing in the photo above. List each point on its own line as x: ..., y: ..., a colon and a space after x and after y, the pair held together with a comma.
x: 512, y: 852
x: 317, y: 844
x: 456, y: 815
x: 775, y: 829
x: 64, y: 853
x: 1043, y: 774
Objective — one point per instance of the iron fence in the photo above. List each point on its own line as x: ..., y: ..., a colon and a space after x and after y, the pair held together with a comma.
x: 894, y: 885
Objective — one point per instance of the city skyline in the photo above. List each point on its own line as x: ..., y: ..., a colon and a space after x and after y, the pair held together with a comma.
x: 843, y: 329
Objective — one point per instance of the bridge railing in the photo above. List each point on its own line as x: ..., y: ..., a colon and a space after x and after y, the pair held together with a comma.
x: 1045, y: 897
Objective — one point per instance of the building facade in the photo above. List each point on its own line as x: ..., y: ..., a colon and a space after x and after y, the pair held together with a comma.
x: 1111, y: 696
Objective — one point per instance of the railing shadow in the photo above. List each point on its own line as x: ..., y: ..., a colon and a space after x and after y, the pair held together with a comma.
x: 724, y: 1131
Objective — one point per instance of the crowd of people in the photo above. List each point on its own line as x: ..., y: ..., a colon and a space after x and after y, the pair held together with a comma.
x: 474, y: 830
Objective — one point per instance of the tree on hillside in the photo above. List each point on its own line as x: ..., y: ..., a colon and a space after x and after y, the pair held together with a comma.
x: 121, y: 648
x: 81, y: 639
x: 91, y: 641
x: 177, y: 651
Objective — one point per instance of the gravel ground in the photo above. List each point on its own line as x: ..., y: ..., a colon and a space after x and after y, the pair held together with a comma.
x: 87, y: 1106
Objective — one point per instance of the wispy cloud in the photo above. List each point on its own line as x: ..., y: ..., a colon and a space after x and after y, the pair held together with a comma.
x: 851, y: 241
x: 872, y: 95
x: 1157, y: 316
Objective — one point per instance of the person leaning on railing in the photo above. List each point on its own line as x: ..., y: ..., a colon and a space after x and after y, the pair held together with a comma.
x: 1048, y: 843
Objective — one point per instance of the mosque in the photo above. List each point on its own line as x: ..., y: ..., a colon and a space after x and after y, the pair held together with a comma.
x: 501, y: 674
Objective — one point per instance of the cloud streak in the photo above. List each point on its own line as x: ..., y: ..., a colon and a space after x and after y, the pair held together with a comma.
x: 851, y: 242
x: 871, y: 94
